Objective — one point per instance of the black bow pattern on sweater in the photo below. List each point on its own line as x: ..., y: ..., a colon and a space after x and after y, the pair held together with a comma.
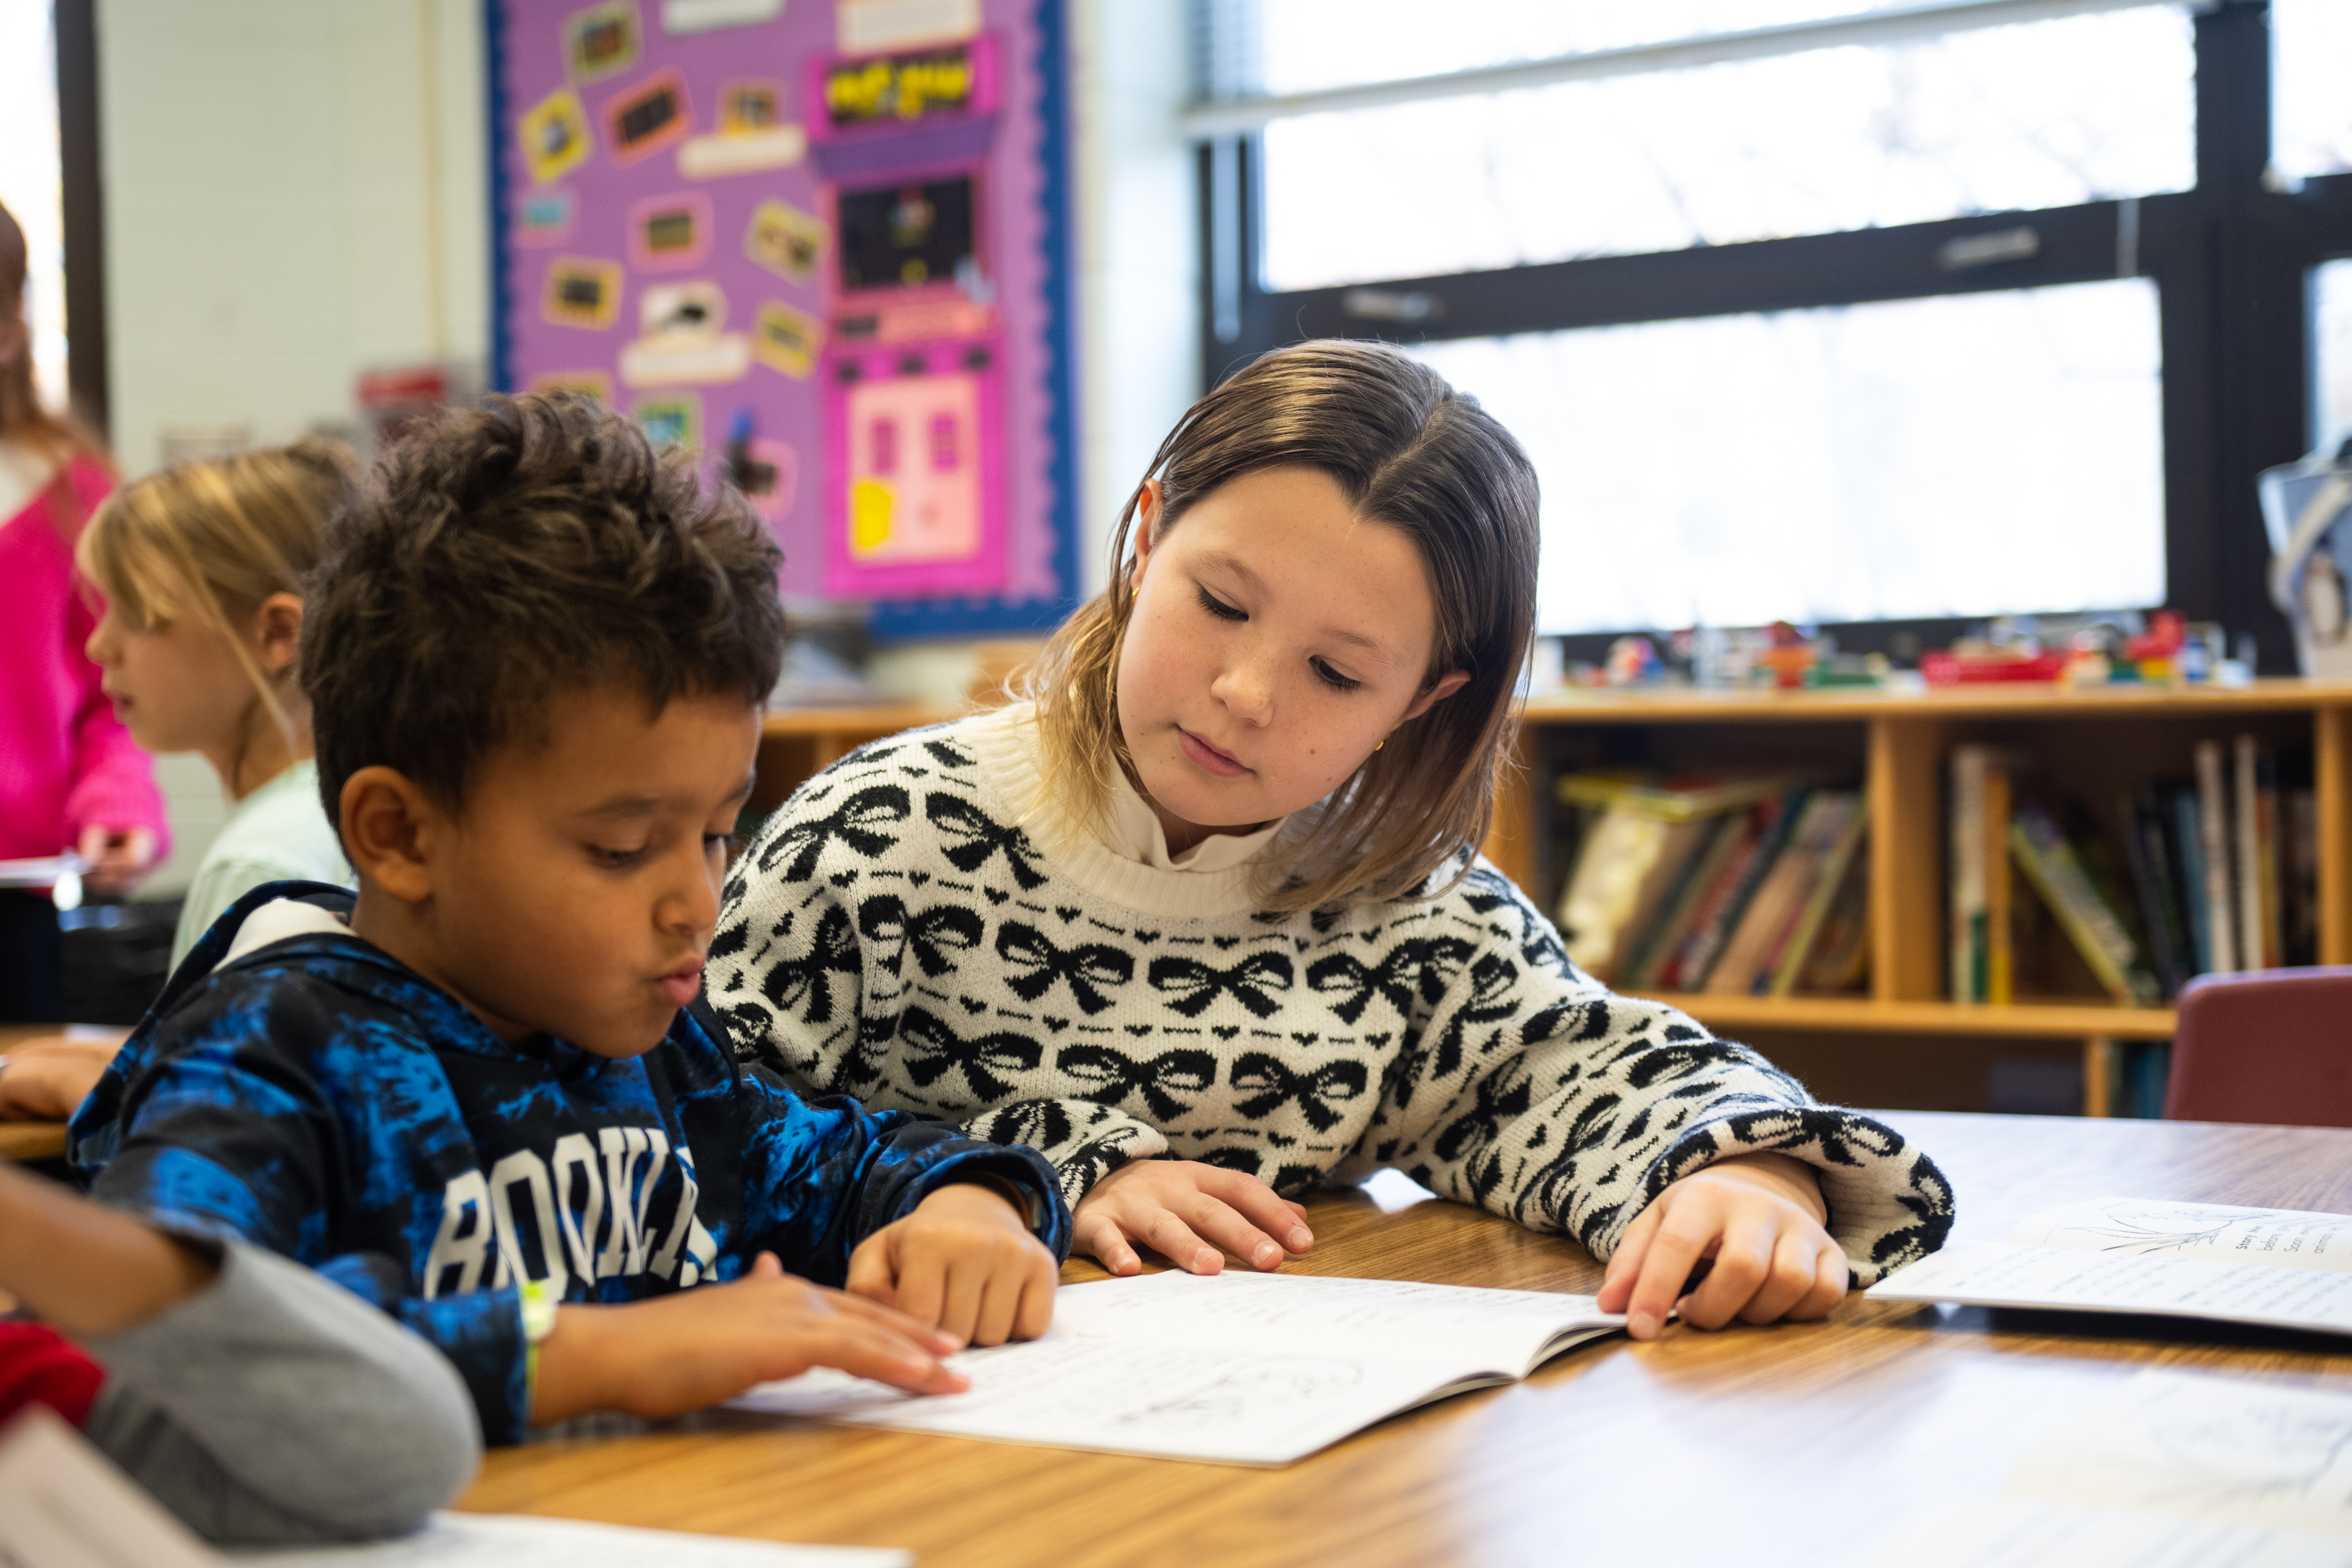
x: 935, y: 934
x: 1420, y: 962
x: 855, y: 822
x: 1314, y: 1091
x: 1191, y: 985
x: 1033, y: 963
x: 981, y: 837
x: 806, y: 982
x: 1111, y: 1077
x: 934, y: 1048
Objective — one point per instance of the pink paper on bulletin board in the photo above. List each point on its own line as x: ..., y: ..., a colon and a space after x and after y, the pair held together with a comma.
x: 1033, y: 560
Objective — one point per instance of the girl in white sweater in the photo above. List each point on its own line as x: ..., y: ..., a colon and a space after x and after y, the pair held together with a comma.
x: 1204, y: 920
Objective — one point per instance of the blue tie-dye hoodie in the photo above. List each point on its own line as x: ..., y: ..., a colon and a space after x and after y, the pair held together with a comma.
x: 320, y: 1098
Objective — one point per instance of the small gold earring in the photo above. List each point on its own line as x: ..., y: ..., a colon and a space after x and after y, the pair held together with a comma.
x: 1384, y: 741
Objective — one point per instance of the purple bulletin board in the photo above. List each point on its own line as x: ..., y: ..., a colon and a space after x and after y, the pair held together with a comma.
x: 687, y: 222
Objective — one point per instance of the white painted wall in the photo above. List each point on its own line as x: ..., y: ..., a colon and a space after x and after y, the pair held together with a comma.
x: 294, y: 193
x: 1139, y: 251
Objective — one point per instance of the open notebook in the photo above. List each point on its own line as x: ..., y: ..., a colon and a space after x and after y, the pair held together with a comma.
x: 1250, y: 1369
x: 2285, y: 1269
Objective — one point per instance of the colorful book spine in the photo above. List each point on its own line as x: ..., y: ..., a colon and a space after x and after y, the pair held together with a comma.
x: 2246, y: 858
x: 1654, y: 949
x: 1967, y: 878
x: 2213, y: 829
x: 1999, y: 955
x: 2188, y: 842
x: 1707, y: 939
x: 2057, y: 873
x: 1827, y: 884
x: 2153, y: 882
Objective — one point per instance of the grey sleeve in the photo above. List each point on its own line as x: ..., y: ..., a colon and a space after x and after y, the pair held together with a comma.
x: 276, y: 1407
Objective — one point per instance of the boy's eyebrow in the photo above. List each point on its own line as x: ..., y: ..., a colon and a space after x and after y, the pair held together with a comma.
x: 1233, y: 563
x: 624, y: 805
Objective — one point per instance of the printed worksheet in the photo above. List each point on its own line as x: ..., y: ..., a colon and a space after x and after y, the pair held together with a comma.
x: 2152, y: 1228
x: 1239, y: 1368
x: 2005, y: 1274
x: 2279, y: 1268
x: 2207, y: 1446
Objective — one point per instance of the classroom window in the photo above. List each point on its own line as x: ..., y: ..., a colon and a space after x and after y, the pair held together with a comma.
x: 1796, y: 465
x: 2311, y: 112
x: 2032, y: 116
x: 2331, y: 312
x: 31, y: 181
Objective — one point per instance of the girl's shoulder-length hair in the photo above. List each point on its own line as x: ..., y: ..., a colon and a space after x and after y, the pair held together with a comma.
x: 1409, y: 451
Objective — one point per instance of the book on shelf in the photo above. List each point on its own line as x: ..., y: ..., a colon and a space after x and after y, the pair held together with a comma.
x: 2082, y: 908
x: 1726, y: 907
x: 1782, y: 899
x: 2285, y: 1268
x: 1236, y: 1368
x: 1637, y: 859
x: 2213, y: 849
x: 1830, y: 881
x: 2156, y: 879
x: 1982, y: 958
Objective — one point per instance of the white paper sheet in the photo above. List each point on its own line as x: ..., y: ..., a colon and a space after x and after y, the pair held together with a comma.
x: 2005, y: 1274
x: 517, y: 1541
x: 64, y: 1505
x: 2218, y: 1233
x: 1245, y: 1368
x: 1973, y: 1533
x: 1177, y: 1403
x: 2207, y: 1446
x: 1301, y: 1314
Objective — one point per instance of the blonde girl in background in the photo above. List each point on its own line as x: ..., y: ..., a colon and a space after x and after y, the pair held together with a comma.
x: 201, y: 567
x: 1204, y: 919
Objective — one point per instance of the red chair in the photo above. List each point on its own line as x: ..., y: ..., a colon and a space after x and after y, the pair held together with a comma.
x: 2273, y: 1044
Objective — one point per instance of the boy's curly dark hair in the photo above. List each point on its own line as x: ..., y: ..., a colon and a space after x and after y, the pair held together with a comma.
x: 534, y: 546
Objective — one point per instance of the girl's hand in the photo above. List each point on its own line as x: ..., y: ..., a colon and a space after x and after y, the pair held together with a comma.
x: 1187, y: 1211
x: 1758, y: 1218
x: 965, y: 1262
x: 117, y: 856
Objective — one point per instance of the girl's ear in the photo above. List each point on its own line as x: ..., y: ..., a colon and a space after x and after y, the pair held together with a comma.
x: 1147, y: 530
x: 1446, y: 686
x: 278, y: 631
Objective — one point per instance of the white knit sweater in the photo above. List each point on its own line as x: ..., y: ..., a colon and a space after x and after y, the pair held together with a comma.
x: 896, y: 933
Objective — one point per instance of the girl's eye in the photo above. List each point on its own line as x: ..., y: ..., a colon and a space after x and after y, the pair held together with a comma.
x: 726, y: 844
x: 1333, y: 678
x: 614, y: 859
x: 1219, y: 608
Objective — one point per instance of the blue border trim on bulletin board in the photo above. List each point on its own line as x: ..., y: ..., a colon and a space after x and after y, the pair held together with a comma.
x: 494, y: 60
x: 900, y: 620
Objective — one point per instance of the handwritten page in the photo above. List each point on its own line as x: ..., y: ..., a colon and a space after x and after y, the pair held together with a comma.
x: 2005, y: 1274
x: 1257, y: 1369
x: 2154, y: 1227
x: 2210, y: 1448
x: 517, y: 1541
x: 1973, y: 1533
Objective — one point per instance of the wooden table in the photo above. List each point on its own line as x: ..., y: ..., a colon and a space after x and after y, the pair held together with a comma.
x: 29, y: 1140
x: 1796, y: 1444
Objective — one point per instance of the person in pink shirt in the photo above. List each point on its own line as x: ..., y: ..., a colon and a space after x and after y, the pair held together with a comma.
x: 70, y: 775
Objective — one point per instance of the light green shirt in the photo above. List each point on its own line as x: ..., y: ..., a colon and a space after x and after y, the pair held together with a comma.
x: 278, y: 831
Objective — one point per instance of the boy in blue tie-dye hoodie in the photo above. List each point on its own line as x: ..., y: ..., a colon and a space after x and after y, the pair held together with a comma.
x: 485, y: 1094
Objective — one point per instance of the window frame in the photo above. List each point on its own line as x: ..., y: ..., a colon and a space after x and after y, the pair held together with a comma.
x: 2230, y: 259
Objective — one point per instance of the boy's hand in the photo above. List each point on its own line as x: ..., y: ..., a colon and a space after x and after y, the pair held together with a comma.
x: 684, y: 1352
x: 964, y: 1261
x: 48, y: 1078
x: 1759, y: 1218
x: 1187, y: 1211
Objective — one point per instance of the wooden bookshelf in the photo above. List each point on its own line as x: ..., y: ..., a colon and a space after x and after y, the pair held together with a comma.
x: 2092, y: 745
